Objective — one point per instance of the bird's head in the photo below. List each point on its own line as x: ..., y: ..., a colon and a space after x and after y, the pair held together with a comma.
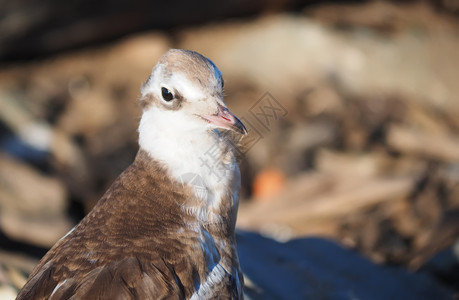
x: 185, y: 92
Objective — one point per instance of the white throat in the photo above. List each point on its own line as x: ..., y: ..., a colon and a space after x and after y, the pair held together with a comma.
x: 199, y: 157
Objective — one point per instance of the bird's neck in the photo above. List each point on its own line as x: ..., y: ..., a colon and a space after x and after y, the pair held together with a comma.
x: 202, y: 160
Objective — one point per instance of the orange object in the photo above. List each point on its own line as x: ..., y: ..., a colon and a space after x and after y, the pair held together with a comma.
x: 268, y: 183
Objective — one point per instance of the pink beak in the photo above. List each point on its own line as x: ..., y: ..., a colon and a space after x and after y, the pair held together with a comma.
x: 225, y: 119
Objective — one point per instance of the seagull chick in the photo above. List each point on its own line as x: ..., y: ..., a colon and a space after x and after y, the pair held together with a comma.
x: 165, y: 229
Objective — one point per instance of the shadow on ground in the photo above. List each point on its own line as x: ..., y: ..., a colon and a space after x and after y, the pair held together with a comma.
x: 316, y: 268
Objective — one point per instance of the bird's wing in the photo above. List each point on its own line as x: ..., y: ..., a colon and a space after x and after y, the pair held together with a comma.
x: 129, y: 278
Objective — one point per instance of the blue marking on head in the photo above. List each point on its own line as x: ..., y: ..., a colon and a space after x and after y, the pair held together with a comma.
x: 217, y: 72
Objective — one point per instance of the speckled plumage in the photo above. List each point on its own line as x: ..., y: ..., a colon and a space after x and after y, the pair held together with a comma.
x: 147, y: 238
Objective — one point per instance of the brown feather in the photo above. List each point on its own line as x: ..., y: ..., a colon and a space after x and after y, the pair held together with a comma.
x: 134, y: 244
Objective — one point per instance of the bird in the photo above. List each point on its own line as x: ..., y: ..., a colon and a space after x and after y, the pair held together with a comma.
x: 154, y: 234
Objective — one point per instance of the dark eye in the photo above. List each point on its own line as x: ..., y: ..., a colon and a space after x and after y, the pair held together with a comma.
x: 223, y: 83
x: 167, y: 95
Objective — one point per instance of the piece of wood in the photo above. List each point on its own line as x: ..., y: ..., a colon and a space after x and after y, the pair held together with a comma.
x: 296, y: 210
x: 443, y: 147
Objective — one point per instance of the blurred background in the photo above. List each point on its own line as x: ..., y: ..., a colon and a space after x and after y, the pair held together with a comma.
x: 352, y: 109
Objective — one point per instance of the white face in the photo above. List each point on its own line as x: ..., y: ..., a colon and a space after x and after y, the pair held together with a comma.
x: 182, y: 107
x: 185, y: 93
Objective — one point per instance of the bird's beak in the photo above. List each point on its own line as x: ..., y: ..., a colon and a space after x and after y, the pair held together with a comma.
x: 225, y: 119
